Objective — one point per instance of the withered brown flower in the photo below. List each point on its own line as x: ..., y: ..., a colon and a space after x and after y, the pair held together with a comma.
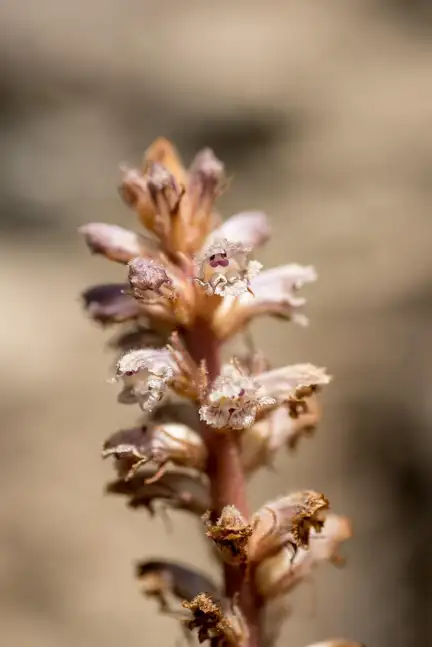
x: 286, y: 522
x: 230, y: 534
x: 222, y: 625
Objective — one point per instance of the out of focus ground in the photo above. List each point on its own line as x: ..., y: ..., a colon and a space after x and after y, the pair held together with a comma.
x: 322, y: 112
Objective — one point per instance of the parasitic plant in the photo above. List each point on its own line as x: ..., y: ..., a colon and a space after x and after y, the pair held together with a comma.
x: 206, y: 425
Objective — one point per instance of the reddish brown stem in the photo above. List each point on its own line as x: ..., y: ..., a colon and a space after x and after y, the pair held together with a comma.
x: 227, y: 480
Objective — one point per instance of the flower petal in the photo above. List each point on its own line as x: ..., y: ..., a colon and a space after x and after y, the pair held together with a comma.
x: 272, y: 292
x: 114, y: 242
x: 251, y: 228
x: 288, y: 381
x: 110, y: 303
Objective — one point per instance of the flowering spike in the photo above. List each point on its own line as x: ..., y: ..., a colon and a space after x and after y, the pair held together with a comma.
x: 192, y: 286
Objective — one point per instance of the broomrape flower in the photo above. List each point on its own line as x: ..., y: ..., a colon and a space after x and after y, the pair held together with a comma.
x: 146, y: 375
x: 223, y: 268
x: 234, y: 400
x: 191, y: 285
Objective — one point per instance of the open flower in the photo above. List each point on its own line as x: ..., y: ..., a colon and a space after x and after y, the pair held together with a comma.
x: 146, y: 374
x: 224, y: 269
x: 234, y: 400
x: 272, y: 292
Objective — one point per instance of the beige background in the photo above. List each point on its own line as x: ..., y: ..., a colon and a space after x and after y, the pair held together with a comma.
x: 322, y: 112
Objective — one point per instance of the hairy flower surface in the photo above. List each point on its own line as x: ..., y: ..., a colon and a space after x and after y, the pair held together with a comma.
x: 224, y: 269
x: 234, y: 400
x: 146, y: 375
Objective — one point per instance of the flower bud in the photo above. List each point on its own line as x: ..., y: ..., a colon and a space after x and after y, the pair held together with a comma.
x: 207, y: 179
x: 114, y: 242
x: 230, y: 534
x: 147, y: 276
x: 286, y: 522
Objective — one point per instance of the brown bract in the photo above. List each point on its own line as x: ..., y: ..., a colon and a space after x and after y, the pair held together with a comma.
x: 230, y: 534
x: 222, y: 626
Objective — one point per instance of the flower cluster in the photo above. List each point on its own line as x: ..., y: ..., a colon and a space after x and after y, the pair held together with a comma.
x: 192, y: 284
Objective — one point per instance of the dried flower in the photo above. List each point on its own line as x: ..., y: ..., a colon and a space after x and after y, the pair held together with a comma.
x: 114, y: 242
x: 162, y: 579
x: 110, y: 303
x: 262, y: 441
x: 174, y: 489
x: 161, y: 444
x: 146, y: 376
x: 234, y: 400
x: 128, y: 447
x: 223, y: 268
x: 278, y: 575
x: 223, y: 626
x: 286, y: 522
x: 230, y: 534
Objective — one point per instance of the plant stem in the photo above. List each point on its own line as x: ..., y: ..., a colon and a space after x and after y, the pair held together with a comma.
x: 226, y: 475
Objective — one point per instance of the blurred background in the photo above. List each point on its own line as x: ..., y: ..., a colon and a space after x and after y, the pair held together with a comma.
x: 322, y: 112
